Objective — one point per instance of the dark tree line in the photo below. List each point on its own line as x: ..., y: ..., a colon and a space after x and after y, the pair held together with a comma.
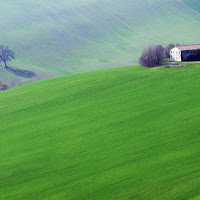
x: 153, y: 55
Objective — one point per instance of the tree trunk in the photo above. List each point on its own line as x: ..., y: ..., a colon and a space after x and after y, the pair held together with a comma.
x: 5, y: 65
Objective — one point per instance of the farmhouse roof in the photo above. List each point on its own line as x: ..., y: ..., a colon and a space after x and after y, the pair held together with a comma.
x: 189, y: 47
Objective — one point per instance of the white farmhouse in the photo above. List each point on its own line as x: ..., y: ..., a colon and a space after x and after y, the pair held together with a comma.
x: 185, y: 53
x: 175, y: 54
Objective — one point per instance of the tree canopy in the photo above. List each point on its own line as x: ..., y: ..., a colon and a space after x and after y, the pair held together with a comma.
x: 6, y: 55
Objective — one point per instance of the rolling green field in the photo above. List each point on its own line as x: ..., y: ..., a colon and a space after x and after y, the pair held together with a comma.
x: 126, y: 133
x: 58, y: 38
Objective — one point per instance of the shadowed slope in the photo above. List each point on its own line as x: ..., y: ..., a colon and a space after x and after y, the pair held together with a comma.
x: 125, y: 133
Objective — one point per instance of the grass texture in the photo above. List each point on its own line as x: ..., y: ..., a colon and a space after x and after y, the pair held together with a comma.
x: 122, y: 134
x: 194, y: 4
x: 57, y: 38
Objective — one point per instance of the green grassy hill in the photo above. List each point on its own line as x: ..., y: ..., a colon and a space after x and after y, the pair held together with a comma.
x: 56, y: 38
x: 122, y: 133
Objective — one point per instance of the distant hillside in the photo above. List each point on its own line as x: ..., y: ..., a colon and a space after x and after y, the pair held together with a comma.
x: 194, y: 4
x: 123, y: 133
x: 54, y: 38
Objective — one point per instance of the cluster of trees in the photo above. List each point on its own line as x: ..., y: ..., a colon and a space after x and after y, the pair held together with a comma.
x: 6, y: 55
x: 153, y: 55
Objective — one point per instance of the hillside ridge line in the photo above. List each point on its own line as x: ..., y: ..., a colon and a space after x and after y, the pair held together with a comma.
x: 179, y: 1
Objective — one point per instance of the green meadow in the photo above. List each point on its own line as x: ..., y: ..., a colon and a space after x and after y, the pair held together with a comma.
x: 127, y: 133
x: 58, y: 38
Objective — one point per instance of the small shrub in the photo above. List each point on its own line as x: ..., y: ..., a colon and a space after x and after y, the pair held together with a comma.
x: 3, y: 86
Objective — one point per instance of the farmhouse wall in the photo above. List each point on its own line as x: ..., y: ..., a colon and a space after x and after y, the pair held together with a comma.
x: 175, y: 54
x: 185, y: 53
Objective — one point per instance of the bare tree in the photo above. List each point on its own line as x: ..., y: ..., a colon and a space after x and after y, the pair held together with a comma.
x: 147, y: 58
x: 152, y: 56
x: 6, y: 55
x: 159, y: 53
x: 168, y: 49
